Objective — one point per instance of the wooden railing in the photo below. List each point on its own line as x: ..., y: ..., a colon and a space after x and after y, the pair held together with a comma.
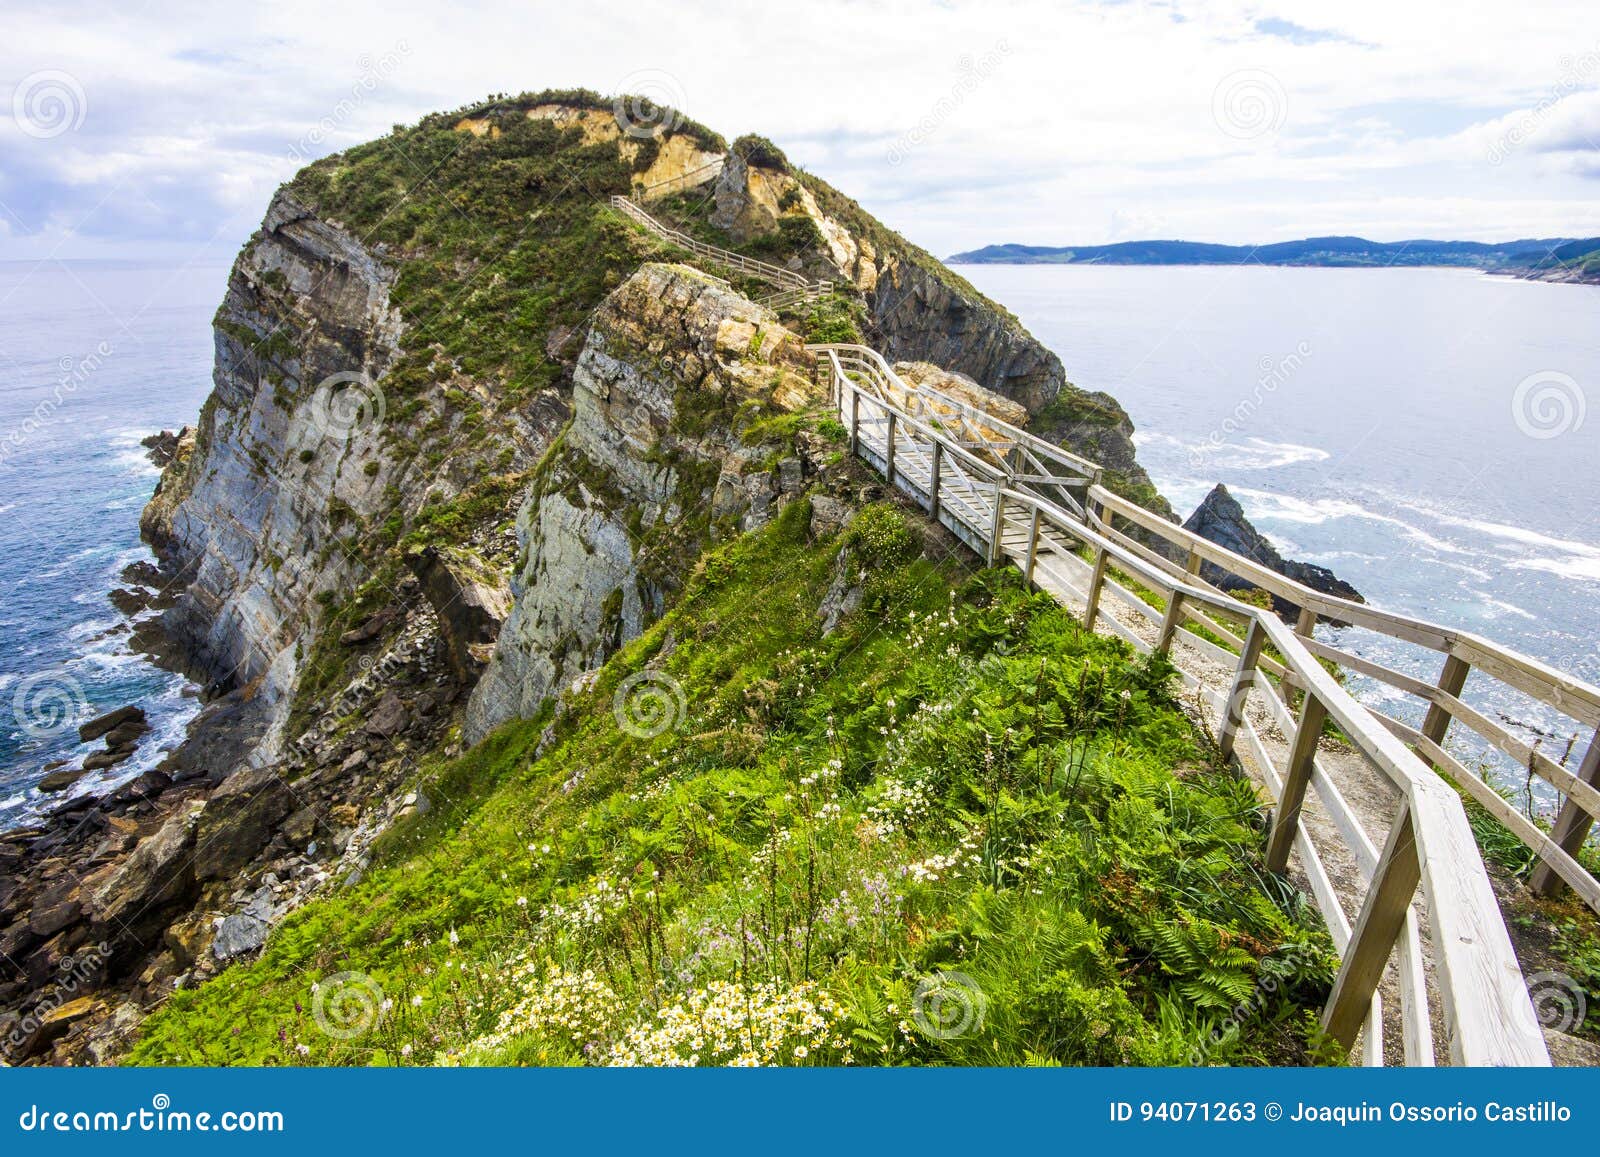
x: 1463, y: 654
x: 786, y: 280
x: 1426, y: 857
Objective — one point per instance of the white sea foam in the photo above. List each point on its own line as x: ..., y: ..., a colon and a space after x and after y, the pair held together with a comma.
x: 1249, y: 454
x: 1564, y: 557
x: 1270, y: 504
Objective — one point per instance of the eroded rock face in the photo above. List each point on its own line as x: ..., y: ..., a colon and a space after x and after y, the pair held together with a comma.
x: 258, y: 513
x: 650, y: 466
x: 923, y: 317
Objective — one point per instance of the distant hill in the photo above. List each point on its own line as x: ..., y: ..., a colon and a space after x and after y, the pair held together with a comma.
x: 1554, y: 258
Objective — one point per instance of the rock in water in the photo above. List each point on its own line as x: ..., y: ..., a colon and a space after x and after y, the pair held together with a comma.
x: 61, y: 780
x: 109, y: 722
x: 1220, y: 519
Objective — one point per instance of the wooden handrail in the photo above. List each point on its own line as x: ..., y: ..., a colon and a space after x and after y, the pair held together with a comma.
x: 772, y: 274
x: 1485, y: 1005
x: 1038, y: 445
x: 1464, y: 653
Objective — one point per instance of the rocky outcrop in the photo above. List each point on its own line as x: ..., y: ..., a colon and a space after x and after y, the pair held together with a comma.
x: 471, y: 600
x: 651, y: 467
x: 1220, y: 519
x: 374, y: 546
x: 288, y: 456
x: 962, y: 390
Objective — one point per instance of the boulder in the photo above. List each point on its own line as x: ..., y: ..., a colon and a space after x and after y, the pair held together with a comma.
x: 104, y: 724
x: 142, y: 787
x: 239, y: 819
x: 389, y: 717
x: 829, y: 516
x: 54, y: 1023
x: 238, y: 934
x: 158, y: 874
x: 61, y: 780
x: 55, y: 908
x: 470, y: 598
x: 370, y: 629
x: 126, y: 734
x: 101, y: 760
x: 130, y: 602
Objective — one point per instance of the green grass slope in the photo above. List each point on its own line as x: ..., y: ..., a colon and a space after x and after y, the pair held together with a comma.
x: 958, y: 829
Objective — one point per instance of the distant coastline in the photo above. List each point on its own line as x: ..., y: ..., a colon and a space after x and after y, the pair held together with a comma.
x: 1556, y: 259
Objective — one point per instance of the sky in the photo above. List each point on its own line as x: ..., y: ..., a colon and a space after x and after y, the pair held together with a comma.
x: 150, y: 130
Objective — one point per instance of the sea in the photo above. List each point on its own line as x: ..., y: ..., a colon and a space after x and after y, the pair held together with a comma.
x: 1424, y: 433
x: 94, y: 356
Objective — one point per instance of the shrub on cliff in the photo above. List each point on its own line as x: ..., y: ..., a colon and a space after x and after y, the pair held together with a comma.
x: 760, y: 153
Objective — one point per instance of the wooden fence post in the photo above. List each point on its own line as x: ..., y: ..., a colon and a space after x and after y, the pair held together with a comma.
x: 1296, y: 777
x: 1096, y: 581
x: 855, y: 420
x: 933, y: 480
x: 1244, y: 677
x: 1377, y: 928
x: 1033, y: 547
x: 1169, y: 624
x: 1451, y: 680
x: 1572, y: 824
x: 1304, y: 625
x: 997, y: 527
x: 888, y: 453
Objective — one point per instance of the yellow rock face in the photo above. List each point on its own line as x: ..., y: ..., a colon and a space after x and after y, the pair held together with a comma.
x: 965, y: 392
x: 678, y: 157
x: 764, y: 194
x: 70, y: 1011
x: 597, y: 124
x: 477, y: 126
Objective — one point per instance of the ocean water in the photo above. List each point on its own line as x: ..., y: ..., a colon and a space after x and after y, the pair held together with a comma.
x: 1424, y: 433
x: 93, y: 357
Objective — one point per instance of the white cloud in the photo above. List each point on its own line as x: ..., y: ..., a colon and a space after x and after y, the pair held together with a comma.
x: 1096, y: 120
